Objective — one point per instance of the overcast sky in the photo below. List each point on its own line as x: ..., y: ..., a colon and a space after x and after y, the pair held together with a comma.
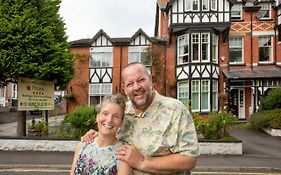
x: 118, y: 18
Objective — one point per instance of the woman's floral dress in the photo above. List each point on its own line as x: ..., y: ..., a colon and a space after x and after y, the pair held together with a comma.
x: 95, y: 160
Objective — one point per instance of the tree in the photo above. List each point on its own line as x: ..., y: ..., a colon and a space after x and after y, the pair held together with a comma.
x: 33, y: 42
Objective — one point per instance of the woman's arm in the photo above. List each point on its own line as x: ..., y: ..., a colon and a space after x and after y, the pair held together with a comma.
x: 124, y: 168
x: 77, y: 150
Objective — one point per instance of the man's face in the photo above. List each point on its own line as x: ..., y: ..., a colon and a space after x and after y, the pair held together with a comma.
x: 138, y: 86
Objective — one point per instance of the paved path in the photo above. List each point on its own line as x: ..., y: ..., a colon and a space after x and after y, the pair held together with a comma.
x: 10, y: 129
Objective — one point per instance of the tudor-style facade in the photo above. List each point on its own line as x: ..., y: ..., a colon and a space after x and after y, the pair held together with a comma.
x: 201, y: 49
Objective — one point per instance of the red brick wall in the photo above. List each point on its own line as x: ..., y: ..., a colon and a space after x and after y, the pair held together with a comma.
x: 79, y: 85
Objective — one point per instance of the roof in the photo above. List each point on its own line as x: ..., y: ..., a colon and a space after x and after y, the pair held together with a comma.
x: 254, y: 73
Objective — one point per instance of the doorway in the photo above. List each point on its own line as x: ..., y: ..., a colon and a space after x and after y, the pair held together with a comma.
x: 237, y: 102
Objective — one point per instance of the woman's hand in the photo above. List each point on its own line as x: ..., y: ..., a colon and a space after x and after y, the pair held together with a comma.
x: 89, y: 136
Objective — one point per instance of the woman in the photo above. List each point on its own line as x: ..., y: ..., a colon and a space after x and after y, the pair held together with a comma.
x: 98, y: 158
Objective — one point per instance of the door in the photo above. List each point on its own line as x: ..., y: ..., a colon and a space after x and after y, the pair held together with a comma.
x: 237, y: 103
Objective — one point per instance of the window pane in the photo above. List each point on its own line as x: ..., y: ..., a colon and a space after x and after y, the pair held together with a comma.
x: 235, y: 50
x: 265, y: 48
x: 195, y: 95
x: 205, y: 47
x: 205, y: 4
x: 205, y: 95
x: 195, y: 4
x: 183, y: 49
x: 236, y: 11
x: 195, y: 47
x: 183, y: 90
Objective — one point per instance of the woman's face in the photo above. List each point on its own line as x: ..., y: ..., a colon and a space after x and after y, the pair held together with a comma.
x: 110, y: 119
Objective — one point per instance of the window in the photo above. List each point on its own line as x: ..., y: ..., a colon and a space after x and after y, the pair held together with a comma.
x: 195, y: 47
x: 214, y: 4
x: 98, y: 91
x: 265, y: 11
x: 215, y: 49
x: 236, y: 50
x: 183, y: 54
x: 205, y: 95
x: 183, y: 90
x: 279, y: 34
x: 205, y: 5
x: 140, y: 54
x: 200, y: 50
x: 101, y: 59
x: 236, y: 12
x: 195, y: 95
x: 215, y: 95
x: 205, y: 46
x: 195, y: 5
x: 265, y: 49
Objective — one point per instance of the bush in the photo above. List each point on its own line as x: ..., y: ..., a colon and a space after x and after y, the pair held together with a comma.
x: 272, y: 100
x: 217, y: 126
x: 78, y: 122
x: 266, y: 119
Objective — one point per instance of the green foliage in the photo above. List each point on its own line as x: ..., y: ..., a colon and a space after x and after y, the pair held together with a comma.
x: 217, y: 125
x: 266, y: 119
x: 33, y: 42
x: 40, y: 126
x: 272, y: 100
x: 81, y: 120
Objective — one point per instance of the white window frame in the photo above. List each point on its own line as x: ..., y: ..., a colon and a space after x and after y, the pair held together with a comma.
x: 207, y: 3
x: 188, y: 5
x: 138, y: 51
x: 215, y: 95
x: 203, y: 41
x: 236, y: 47
x: 198, y: 5
x: 205, y: 89
x: 102, y: 54
x: 269, y: 46
x: 197, y: 39
x: 214, y: 5
x: 195, y: 90
x: 264, y: 8
x: 215, y: 49
x: 183, y: 90
x: 236, y: 8
x: 185, y: 38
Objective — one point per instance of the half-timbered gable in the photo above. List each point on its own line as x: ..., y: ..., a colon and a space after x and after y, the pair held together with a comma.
x: 101, y: 66
x: 139, y: 48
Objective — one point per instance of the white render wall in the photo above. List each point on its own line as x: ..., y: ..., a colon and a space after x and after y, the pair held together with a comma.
x: 229, y: 148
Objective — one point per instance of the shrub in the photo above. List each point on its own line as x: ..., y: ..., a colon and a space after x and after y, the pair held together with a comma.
x: 272, y: 100
x: 40, y: 127
x: 78, y: 122
x: 217, y: 126
x: 266, y: 119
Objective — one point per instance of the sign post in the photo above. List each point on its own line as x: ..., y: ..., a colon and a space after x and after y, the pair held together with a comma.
x: 34, y: 95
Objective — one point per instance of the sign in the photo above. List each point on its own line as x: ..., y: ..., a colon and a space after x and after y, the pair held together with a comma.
x: 35, y: 94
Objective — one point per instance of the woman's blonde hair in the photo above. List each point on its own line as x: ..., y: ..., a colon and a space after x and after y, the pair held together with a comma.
x: 118, y: 99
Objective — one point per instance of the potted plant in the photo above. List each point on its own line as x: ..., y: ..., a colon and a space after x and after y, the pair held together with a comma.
x: 36, y: 129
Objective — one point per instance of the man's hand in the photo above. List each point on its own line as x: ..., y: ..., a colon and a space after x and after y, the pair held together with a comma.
x: 89, y: 136
x: 130, y: 154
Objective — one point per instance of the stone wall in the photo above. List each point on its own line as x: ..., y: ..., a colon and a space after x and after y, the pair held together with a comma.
x: 229, y: 148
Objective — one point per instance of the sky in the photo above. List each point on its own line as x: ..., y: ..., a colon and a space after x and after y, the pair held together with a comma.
x: 117, y: 18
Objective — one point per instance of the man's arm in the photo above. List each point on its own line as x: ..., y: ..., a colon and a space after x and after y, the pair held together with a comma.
x: 162, y: 164
x: 167, y: 164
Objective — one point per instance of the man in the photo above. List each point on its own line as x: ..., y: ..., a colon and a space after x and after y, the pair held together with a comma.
x: 159, y: 130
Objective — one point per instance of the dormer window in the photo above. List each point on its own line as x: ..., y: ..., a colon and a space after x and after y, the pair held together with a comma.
x: 236, y: 12
x: 265, y: 11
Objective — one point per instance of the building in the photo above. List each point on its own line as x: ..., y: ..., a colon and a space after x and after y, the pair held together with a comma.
x: 213, y: 53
